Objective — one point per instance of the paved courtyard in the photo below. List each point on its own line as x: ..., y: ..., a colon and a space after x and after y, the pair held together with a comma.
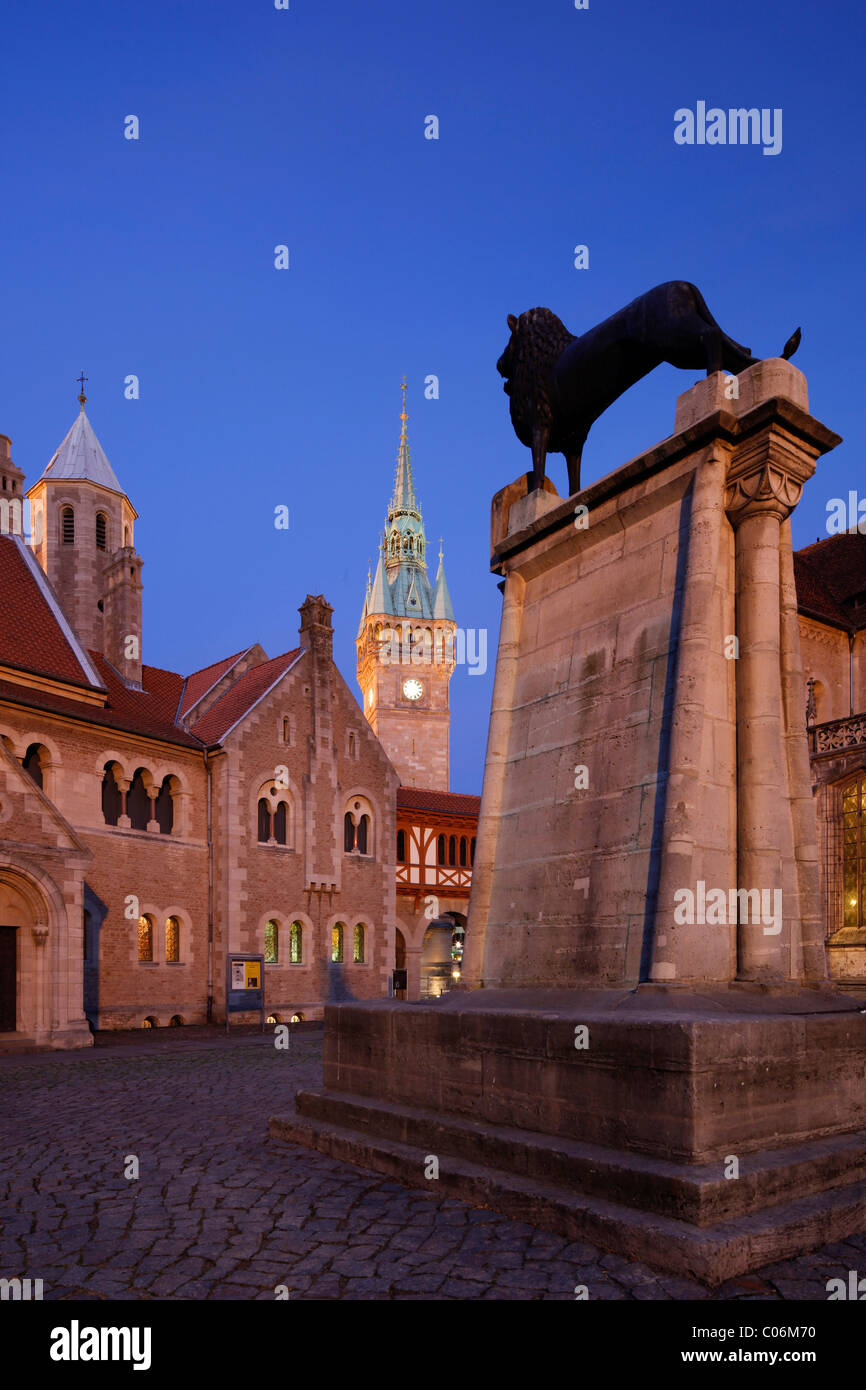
x: 219, y: 1210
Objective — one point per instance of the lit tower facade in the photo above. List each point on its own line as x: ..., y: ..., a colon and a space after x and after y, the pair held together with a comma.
x: 405, y: 641
x: 83, y: 523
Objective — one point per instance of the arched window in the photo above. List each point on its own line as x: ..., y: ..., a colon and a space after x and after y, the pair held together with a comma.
x: 126, y: 535
x: 401, y: 846
x: 165, y: 808
x: 358, y: 942
x: 101, y: 529
x: 280, y: 821
x: 853, y: 808
x: 272, y: 943
x: 462, y: 851
x: 440, y: 850
x: 67, y: 519
x: 111, y: 798
x: 264, y: 821
x: 274, y: 818
x: 172, y: 939
x: 296, y: 943
x: 452, y: 850
x: 138, y: 802
x: 145, y: 938
x: 32, y: 763
x: 358, y: 826
x: 472, y: 851
x: 286, y: 730
x: 337, y: 941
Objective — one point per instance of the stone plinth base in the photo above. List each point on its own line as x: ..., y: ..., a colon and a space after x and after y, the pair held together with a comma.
x: 629, y: 1141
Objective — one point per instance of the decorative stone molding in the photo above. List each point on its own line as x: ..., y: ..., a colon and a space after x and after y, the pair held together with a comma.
x: 840, y: 733
x: 40, y: 935
x: 771, y: 486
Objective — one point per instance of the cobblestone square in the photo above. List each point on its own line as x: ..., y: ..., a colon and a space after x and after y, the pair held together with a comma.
x: 221, y: 1211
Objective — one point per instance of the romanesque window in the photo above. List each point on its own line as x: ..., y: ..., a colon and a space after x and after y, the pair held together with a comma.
x: 274, y: 818
x: 296, y: 943
x: 32, y: 763
x: 337, y: 941
x: 358, y: 826
x: 101, y: 530
x: 111, y: 797
x: 401, y: 846
x: 358, y: 942
x: 138, y: 802
x: 452, y: 850
x: 853, y: 805
x: 67, y: 519
x: 272, y: 943
x: 145, y: 938
x: 440, y: 850
x: 172, y: 939
x: 462, y: 851
x: 165, y: 808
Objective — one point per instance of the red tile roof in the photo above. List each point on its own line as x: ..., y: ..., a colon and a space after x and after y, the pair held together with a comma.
x: 813, y: 597
x: 240, y: 697
x: 840, y: 563
x: 31, y: 638
x: 445, y: 803
x: 200, y: 682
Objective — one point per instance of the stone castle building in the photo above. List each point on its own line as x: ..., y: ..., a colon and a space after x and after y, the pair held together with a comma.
x: 151, y: 822
x: 831, y: 595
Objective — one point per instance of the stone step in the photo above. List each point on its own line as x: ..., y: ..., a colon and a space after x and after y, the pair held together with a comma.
x: 710, y: 1253
x: 697, y: 1193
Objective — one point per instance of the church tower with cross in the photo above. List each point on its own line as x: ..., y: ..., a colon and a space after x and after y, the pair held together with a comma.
x: 82, y: 525
x: 406, y: 639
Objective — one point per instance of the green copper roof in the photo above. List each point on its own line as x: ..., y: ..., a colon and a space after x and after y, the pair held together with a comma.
x: 402, y: 588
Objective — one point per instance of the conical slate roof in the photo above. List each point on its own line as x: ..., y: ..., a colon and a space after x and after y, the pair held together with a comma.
x: 82, y: 457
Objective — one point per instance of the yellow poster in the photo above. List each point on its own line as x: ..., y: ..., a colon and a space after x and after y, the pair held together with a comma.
x: 253, y: 975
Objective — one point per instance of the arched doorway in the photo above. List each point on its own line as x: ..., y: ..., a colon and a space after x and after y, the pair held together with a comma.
x: 8, y: 978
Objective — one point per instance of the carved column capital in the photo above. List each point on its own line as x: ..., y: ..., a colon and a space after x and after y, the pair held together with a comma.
x: 765, y: 478
x: 40, y: 935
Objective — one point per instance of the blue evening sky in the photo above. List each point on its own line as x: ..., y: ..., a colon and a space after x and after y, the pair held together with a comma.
x: 262, y: 387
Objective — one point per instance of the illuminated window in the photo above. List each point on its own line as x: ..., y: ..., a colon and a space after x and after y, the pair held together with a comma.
x: 172, y: 939
x: 272, y: 943
x: 853, y: 804
x: 358, y: 936
x: 337, y: 942
x: 296, y: 943
x: 145, y: 938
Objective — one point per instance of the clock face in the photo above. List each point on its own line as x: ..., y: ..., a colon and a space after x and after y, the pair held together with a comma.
x: 413, y: 689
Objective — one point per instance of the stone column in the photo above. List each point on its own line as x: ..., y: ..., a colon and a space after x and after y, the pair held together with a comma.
x: 764, y: 484
x: 676, y: 952
x: 123, y: 821
x: 494, y: 779
x: 413, y: 973
x: 41, y: 1011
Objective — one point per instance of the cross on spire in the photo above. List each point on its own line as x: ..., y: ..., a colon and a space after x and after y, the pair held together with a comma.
x: 81, y: 397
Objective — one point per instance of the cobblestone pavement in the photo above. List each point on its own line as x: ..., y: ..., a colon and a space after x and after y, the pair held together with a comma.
x: 222, y: 1211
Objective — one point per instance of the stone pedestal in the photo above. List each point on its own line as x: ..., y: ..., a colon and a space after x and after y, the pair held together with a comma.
x: 648, y: 1053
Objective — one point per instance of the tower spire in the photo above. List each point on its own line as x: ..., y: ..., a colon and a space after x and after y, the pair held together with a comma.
x: 404, y: 499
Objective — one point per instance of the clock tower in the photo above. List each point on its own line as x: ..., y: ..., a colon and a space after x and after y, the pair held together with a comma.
x: 405, y: 641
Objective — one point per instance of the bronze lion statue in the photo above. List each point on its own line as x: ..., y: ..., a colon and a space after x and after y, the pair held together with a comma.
x: 559, y: 384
